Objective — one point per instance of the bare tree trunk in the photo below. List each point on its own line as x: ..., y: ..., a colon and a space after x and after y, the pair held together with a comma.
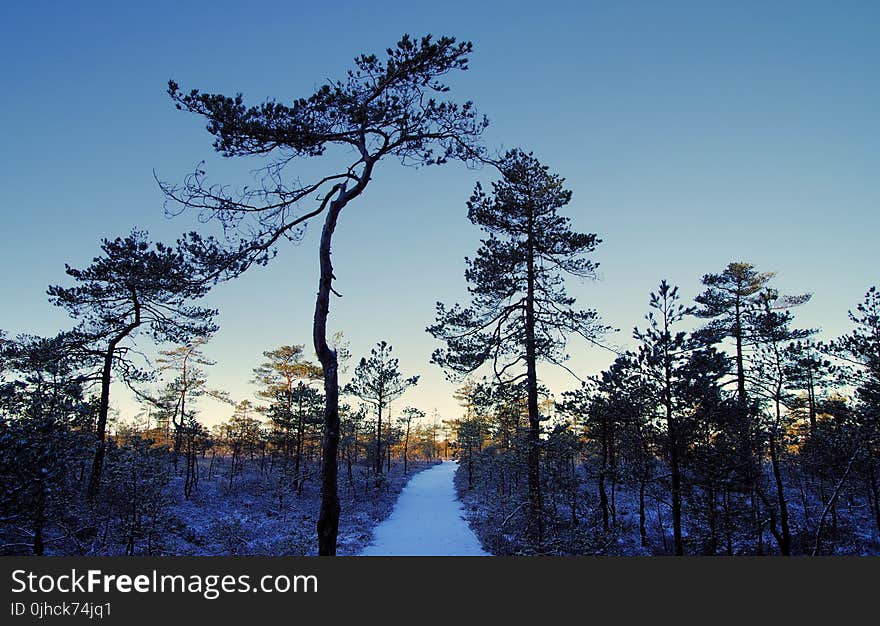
x: 405, y: 447
x: 178, y: 428
x: 300, y: 434
x: 232, y: 465
x: 785, y: 535
x: 104, y: 403
x: 674, y: 463
x: 379, y: 458
x: 612, y: 475
x: 211, y: 465
x: 328, y: 516
x: 875, y: 490
x: 643, y: 528
x: 811, y: 397
x: 101, y: 424
x: 740, y: 368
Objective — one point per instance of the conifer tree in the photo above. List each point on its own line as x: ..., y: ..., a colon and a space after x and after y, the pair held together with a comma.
x: 134, y: 286
x: 682, y: 371
x: 772, y: 335
x: 725, y: 303
x: 520, y: 313
x: 378, y: 381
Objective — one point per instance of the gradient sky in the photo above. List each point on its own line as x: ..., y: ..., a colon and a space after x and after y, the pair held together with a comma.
x: 691, y: 133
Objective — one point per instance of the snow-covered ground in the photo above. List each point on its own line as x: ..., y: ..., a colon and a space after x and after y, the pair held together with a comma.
x: 427, y: 520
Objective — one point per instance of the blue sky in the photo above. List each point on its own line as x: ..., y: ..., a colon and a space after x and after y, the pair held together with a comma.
x: 691, y: 134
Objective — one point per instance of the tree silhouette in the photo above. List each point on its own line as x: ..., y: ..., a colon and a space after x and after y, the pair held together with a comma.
x: 135, y: 286
x: 663, y: 354
x: 407, y: 416
x: 378, y: 381
x: 520, y: 312
x: 382, y: 109
x: 725, y: 302
x: 859, y: 350
x: 772, y: 335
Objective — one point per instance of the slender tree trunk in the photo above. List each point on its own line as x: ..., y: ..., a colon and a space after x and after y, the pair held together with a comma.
x: 742, y: 400
x: 785, y: 543
x: 300, y: 434
x: 328, y: 516
x: 674, y: 463
x: 379, y: 458
x: 354, y: 442
x: 643, y: 528
x: 405, y: 447
x: 189, y: 482
x: 875, y: 490
x: 574, y: 491
x: 288, y: 426
x: 676, y: 502
x: 232, y: 465
x: 101, y: 425
x: 178, y: 427
x: 536, y: 522
x: 613, y: 477
x: 388, y: 444
x: 104, y: 402
x: 211, y: 465
x: 811, y: 398
x: 603, y: 494
x: 740, y: 368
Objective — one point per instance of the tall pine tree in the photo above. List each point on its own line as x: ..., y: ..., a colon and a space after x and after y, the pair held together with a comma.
x: 520, y: 313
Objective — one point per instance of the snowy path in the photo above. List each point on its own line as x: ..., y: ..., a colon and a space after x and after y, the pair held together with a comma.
x: 426, y: 520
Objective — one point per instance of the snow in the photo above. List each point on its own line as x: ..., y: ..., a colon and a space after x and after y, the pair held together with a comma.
x: 427, y: 520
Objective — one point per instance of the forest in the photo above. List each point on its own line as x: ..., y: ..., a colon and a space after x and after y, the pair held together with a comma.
x: 725, y: 428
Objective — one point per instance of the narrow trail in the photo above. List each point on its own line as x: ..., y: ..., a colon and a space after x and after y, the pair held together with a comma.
x: 426, y: 520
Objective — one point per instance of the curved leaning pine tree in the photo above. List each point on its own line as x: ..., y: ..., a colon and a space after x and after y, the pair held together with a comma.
x: 383, y: 109
x: 135, y: 286
x: 520, y: 312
